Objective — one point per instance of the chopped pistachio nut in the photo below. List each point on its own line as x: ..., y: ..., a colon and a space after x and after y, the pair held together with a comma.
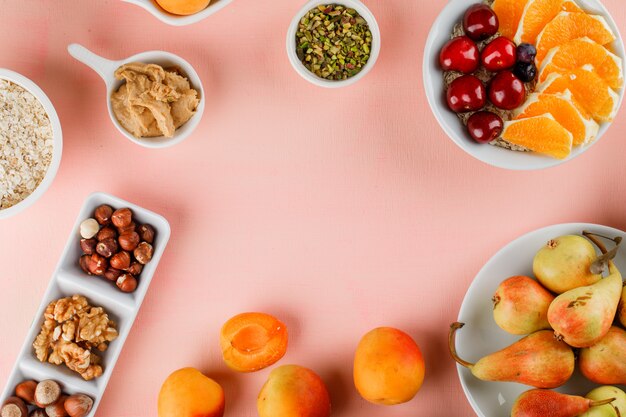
x: 333, y: 42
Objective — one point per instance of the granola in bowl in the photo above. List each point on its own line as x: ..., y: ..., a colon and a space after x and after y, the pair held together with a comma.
x: 26, y: 143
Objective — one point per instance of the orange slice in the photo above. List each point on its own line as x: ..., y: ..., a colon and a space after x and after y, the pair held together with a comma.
x: 540, y: 134
x: 509, y: 13
x: 584, y: 53
x: 253, y: 341
x: 567, y: 26
x: 571, y: 6
x: 537, y: 14
x: 565, y: 111
x: 593, y: 94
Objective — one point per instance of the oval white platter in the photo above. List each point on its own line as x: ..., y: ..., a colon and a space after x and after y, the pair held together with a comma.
x: 68, y: 279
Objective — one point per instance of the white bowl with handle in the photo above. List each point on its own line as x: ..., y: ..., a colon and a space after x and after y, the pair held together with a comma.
x: 106, y: 68
x: 57, y: 149
x: 175, y: 20
x: 451, y: 14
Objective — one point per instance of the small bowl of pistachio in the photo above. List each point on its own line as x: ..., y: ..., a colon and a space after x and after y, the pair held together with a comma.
x: 333, y: 44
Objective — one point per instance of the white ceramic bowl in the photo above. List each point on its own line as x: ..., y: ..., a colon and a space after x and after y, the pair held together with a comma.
x: 27, y: 84
x: 68, y: 279
x: 106, y: 69
x: 175, y: 20
x: 481, y: 335
x: 308, y: 75
x: 435, y: 92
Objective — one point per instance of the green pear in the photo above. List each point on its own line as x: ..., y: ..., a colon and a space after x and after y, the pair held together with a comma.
x: 605, y: 362
x: 607, y: 410
x: 582, y: 316
x: 538, y: 360
x: 520, y: 305
x: 564, y: 263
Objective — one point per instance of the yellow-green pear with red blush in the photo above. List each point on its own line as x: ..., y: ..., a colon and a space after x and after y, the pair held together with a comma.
x: 520, y: 305
x: 621, y: 309
x: 605, y: 362
x: 564, y: 263
x: 582, y: 316
x: 615, y: 409
x: 546, y: 403
x: 538, y: 360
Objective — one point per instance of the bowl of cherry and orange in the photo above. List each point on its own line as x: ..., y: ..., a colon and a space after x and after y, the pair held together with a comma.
x: 510, y: 82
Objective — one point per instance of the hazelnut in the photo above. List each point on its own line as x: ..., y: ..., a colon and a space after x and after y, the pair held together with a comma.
x: 135, y: 268
x: 106, y: 232
x: 14, y: 407
x: 98, y: 264
x: 107, y: 247
x: 47, y: 392
x: 85, y: 262
x: 103, y: 214
x: 127, y: 229
x: 122, y: 217
x: 129, y: 241
x: 111, y: 274
x: 88, y: 245
x: 120, y: 260
x: 146, y: 232
x: 78, y: 405
x: 126, y: 283
x: 26, y: 391
x: 37, y: 412
x: 89, y: 228
x: 143, y: 253
x: 58, y: 408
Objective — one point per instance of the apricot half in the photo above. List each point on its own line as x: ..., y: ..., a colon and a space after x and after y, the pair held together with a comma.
x: 253, y: 341
x: 188, y: 393
x: 183, y: 7
x: 388, y: 367
x: 291, y: 391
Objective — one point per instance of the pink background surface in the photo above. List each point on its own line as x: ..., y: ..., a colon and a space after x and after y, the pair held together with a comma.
x: 337, y: 211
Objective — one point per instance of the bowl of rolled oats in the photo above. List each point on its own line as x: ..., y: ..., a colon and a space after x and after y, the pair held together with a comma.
x: 31, y: 143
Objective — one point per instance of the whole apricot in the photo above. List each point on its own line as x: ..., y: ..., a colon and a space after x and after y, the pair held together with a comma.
x: 183, y: 7
x: 388, y: 367
x: 188, y: 393
x: 293, y: 390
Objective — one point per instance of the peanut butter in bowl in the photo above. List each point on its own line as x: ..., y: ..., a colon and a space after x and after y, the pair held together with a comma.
x: 153, y: 101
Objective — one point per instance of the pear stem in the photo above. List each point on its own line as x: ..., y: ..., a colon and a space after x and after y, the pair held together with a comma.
x: 619, y: 414
x: 594, y: 238
x: 601, y: 402
x: 452, y: 344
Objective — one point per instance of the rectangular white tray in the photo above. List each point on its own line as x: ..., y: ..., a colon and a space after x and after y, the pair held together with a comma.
x: 69, y: 279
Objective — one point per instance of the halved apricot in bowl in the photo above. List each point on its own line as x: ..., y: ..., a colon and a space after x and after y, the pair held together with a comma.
x: 253, y: 341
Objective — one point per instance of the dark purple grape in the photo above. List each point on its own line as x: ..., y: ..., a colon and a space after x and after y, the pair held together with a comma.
x: 526, y: 53
x: 525, y: 72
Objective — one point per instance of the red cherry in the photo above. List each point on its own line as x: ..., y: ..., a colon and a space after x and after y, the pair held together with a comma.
x: 480, y: 22
x: 506, y: 91
x: 459, y: 54
x: 484, y: 126
x: 466, y: 93
x: 500, y: 54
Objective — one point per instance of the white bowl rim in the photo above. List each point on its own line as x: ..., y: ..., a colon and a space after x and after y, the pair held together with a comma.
x: 500, y: 157
x: 308, y: 75
x: 463, y: 311
x: 106, y: 68
x: 57, y: 135
x: 174, y: 20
